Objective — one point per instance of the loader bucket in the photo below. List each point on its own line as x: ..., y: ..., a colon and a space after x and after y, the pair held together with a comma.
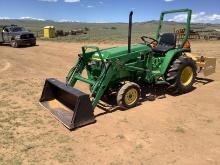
x: 70, y: 106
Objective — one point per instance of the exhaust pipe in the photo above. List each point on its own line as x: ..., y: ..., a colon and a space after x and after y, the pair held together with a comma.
x: 129, y: 31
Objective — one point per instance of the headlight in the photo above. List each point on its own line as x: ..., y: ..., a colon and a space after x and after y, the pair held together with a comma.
x: 17, y: 37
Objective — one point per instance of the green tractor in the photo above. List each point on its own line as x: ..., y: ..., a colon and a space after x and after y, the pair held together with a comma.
x: 124, y: 71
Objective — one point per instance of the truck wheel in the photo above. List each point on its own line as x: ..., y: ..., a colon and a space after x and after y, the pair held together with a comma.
x: 181, y: 75
x: 206, y: 37
x: 128, y: 95
x: 14, y: 44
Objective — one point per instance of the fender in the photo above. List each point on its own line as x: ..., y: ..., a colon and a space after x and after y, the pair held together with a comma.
x: 169, y: 56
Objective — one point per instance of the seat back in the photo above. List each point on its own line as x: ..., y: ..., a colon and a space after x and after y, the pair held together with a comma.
x: 168, y: 39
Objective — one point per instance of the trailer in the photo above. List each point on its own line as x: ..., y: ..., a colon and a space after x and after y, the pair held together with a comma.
x: 213, y: 35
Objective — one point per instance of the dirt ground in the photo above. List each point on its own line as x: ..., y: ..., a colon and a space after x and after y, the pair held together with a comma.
x: 179, y: 130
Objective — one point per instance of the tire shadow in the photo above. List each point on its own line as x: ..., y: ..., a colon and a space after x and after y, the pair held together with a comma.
x: 3, y: 44
x: 20, y: 47
x: 150, y: 92
x: 27, y: 46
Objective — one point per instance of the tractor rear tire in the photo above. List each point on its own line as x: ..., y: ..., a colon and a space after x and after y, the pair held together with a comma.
x: 181, y: 75
x: 128, y: 95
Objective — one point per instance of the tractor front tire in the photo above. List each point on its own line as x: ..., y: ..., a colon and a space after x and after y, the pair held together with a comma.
x: 128, y: 95
x: 181, y: 75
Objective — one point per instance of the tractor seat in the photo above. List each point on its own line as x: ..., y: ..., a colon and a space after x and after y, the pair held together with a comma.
x: 166, y: 43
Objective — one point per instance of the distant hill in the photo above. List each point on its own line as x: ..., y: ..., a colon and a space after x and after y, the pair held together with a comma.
x: 104, y: 31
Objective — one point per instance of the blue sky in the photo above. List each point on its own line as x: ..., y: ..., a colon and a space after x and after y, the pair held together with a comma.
x: 107, y: 10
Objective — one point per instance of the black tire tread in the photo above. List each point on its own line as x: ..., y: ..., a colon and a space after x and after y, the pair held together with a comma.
x: 173, y: 74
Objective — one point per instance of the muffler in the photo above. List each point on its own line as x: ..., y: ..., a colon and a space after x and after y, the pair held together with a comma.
x: 70, y: 106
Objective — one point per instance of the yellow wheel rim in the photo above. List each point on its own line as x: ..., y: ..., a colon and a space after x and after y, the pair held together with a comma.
x: 131, y: 96
x: 186, y: 76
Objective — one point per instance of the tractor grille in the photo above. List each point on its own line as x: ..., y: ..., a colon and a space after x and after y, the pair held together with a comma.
x: 27, y: 36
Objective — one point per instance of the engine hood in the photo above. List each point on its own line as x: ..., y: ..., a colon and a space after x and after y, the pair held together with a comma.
x: 121, y: 50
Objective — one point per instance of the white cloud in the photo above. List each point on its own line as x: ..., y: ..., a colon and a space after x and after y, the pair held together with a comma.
x: 64, y: 20
x: 67, y: 20
x: 200, y: 17
x: 168, y: 0
x: 179, y: 18
x: 4, y: 17
x: 48, y: 0
x: 100, y: 22
x: 71, y: 1
x: 100, y: 2
x: 89, y: 6
x: 31, y: 18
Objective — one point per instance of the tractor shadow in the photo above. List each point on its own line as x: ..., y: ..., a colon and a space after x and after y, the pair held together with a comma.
x: 28, y: 46
x: 148, y: 93
x: 5, y: 45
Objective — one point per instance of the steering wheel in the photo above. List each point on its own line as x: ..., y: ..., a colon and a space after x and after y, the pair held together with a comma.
x: 151, y: 43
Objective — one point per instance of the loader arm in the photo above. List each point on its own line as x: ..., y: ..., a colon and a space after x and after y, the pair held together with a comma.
x: 99, y: 86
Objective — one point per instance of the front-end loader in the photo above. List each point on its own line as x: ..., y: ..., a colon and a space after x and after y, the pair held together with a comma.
x: 123, y: 71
